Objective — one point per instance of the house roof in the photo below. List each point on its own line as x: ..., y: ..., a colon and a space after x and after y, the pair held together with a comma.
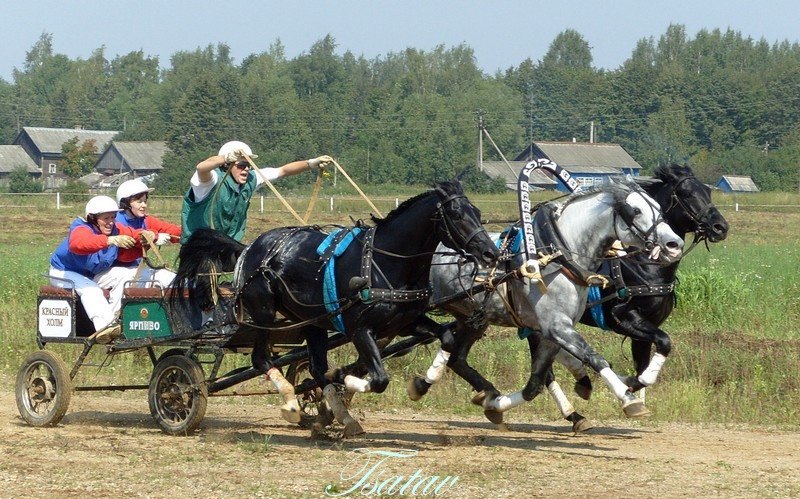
x: 141, y: 155
x: 12, y: 157
x: 497, y: 169
x: 585, y: 157
x: 50, y: 140
x: 740, y: 183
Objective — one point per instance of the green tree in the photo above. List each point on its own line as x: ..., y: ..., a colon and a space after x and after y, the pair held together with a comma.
x: 20, y: 180
x: 78, y: 160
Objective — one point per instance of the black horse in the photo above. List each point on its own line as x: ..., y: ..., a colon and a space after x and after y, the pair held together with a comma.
x: 643, y: 294
x: 378, y: 288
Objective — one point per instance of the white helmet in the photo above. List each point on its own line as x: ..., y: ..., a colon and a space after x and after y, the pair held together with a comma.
x: 233, y: 146
x: 101, y: 204
x: 131, y: 188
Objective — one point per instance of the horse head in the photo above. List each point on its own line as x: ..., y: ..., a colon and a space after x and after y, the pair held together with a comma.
x: 638, y: 222
x: 459, y: 224
x: 687, y: 204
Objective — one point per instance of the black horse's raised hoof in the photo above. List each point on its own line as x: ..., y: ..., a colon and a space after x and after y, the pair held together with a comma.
x: 417, y: 387
x: 579, y: 423
x: 633, y: 383
x: 583, y: 388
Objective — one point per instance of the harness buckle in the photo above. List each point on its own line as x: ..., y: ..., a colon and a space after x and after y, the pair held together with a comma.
x: 366, y: 295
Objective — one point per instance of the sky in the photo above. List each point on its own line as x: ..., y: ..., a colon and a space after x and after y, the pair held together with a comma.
x: 501, y: 33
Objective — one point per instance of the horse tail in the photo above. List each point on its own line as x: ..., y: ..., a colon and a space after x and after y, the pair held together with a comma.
x: 206, y: 254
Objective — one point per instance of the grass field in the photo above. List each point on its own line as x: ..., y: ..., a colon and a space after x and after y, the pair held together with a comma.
x: 736, y: 353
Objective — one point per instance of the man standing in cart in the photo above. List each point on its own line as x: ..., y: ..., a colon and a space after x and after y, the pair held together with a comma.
x: 223, y: 185
x: 218, y: 198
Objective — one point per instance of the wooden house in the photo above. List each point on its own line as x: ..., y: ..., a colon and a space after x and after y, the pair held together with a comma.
x: 44, y: 146
x: 736, y: 183
x: 13, y: 157
x: 588, y: 163
x: 138, y: 159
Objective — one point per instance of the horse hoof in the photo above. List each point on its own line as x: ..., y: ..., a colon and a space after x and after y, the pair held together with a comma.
x: 582, y: 425
x: 291, y: 415
x: 635, y: 409
x: 583, y: 388
x: 353, y: 429
x: 495, y: 417
x: 417, y: 387
x: 479, y: 398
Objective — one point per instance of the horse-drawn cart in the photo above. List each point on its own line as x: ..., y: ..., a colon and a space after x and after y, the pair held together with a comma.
x: 186, y: 361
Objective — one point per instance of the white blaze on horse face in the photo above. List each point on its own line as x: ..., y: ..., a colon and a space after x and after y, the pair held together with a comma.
x: 666, y: 240
x: 669, y: 241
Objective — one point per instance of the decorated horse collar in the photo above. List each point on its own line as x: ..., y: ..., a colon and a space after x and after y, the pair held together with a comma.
x: 554, y: 255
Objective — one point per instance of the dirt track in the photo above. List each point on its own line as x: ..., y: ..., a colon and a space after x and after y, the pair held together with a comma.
x: 108, y: 445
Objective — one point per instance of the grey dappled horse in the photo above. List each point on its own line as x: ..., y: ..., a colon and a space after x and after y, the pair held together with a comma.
x: 582, y: 228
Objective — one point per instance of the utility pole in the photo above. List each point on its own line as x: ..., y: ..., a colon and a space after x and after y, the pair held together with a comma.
x: 591, y: 132
x: 479, y: 112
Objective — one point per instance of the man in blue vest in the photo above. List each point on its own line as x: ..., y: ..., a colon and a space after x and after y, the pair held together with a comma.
x: 223, y: 185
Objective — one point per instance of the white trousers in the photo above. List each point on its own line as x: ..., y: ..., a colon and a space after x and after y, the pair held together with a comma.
x: 163, y: 277
x: 101, y: 311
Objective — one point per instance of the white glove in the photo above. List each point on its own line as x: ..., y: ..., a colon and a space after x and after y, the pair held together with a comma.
x: 163, y: 238
x: 234, y: 156
x: 320, y: 162
x: 122, y: 241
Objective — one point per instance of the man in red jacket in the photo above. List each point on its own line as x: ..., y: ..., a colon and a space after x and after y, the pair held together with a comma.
x: 98, y: 254
x: 132, y: 196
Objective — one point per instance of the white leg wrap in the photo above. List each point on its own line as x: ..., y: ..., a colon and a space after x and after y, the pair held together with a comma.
x: 506, y: 402
x: 561, y: 400
x: 612, y: 380
x: 354, y: 384
x: 438, y: 367
x: 649, y: 376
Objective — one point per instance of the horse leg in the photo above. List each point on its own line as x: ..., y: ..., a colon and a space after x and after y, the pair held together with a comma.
x: 463, y: 340
x: 337, y: 405
x: 542, y: 352
x: 317, y: 345
x: 583, y: 384
x: 643, y: 333
x: 290, y: 410
x: 579, y: 423
x: 565, y: 335
x: 369, y: 356
x: 418, y: 386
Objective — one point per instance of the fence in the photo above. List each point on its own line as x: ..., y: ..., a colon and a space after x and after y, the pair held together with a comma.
x: 495, y: 207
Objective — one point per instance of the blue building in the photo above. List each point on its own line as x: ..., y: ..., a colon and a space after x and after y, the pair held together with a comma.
x: 588, y: 163
x: 736, y: 183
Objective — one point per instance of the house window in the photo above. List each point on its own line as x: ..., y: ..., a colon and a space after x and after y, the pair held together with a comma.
x: 52, y: 168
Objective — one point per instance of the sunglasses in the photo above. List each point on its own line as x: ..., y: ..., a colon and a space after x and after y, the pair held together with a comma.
x: 242, y: 165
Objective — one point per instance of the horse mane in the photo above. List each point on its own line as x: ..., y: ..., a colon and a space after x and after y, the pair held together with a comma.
x: 619, y: 189
x: 673, y: 171
x: 445, y: 186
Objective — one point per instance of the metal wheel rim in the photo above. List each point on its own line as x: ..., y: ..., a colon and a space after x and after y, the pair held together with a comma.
x: 41, y: 390
x: 175, y: 396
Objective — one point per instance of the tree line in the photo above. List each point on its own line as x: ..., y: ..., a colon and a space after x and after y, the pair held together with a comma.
x: 720, y: 102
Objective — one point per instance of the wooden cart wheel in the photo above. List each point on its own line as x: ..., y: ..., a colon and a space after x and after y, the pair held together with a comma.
x: 177, y: 395
x: 311, y: 402
x: 43, y: 389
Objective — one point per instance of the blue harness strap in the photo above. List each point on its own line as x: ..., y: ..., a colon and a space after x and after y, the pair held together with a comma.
x: 597, y: 310
x: 516, y: 239
x: 329, y: 279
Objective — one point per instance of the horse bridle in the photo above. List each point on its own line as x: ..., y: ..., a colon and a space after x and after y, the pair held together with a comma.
x: 441, y: 215
x: 648, y: 237
x: 697, y: 218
